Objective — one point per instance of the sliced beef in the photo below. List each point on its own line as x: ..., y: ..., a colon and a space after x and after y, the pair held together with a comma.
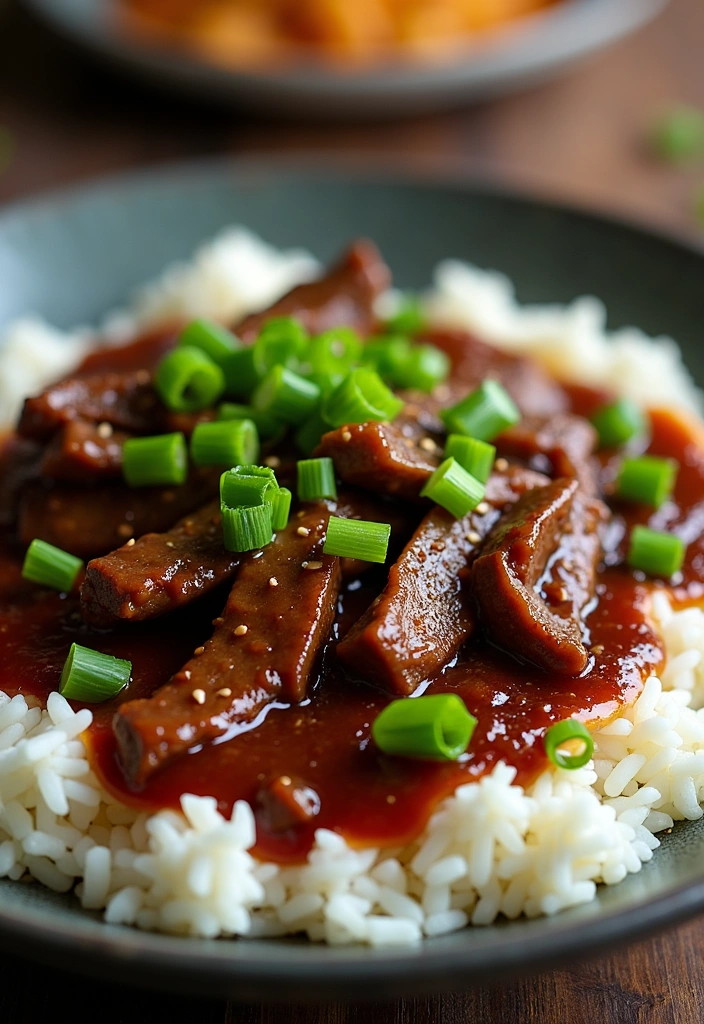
x: 391, y: 458
x: 536, y: 573
x: 159, y: 572
x: 82, y: 451
x: 89, y: 521
x: 19, y: 463
x: 561, y: 445
x: 344, y: 296
x: 278, y: 617
x: 421, y: 619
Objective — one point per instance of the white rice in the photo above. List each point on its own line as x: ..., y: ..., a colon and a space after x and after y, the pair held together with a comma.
x: 491, y: 848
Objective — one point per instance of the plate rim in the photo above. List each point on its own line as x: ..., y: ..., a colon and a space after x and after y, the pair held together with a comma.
x: 151, y: 958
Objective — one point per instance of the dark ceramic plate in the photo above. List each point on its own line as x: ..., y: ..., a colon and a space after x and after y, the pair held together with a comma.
x: 509, y: 58
x: 74, y: 256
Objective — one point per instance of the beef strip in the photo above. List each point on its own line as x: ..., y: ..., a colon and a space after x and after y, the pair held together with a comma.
x: 90, y: 521
x: 264, y: 648
x: 390, y: 458
x: 560, y: 445
x: 159, y: 572
x: 419, y: 622
x: 82, y: 451
x: 553, y: 532
x: 344, y: 296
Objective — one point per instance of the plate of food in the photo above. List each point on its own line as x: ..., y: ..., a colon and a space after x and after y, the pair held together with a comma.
x: 329, y: 57
x: 350, y: 625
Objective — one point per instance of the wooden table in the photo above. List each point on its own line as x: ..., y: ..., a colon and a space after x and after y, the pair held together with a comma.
x: 579, y: 138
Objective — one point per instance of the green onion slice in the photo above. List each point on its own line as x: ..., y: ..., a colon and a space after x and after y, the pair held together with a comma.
x: 281, y: 342
x: 241, y: 375
x: 154, y: 461
x: 648, y: 479
x: 316, y: 479
x: 286, y: 395
x: 678, y: 135
x: 477, y: 457
x: 225, y: 443
x: 51, y: 567
x: 387, y: 355
x: 247, y: 528
x: 267, y: 426
x: 618, y: 423
x: 188, y: 380
x: 424, y: 367
x: 92, y: 677
x: 483, y: 413
x: 362, y: 396
x: 247, y: 486
x: 571, y: 732
x: 356, y: 538
x: 280, y: 502
x: 656, y: 553
x: 334, y: 350
x: 436, y: 727
x: 454, y: 488
x: 409, y: 318
x: 216, y: 341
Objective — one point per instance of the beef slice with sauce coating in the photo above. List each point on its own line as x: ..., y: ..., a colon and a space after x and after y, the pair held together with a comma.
x: 82, y: 451
x: 552, y: 530
x: 265, y: 646
x: 561, y: 445
x: 159, y: 572
x: 421, y: 619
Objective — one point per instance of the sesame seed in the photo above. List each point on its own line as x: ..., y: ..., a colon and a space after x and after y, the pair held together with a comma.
x: 240, y: 630
x: 125, y: 530
x: 473, y: 537
x: 285, y: 780
x: 391, y: 799
x: 219, y: 621
x: 273, y: 582
x: 598, y: 649
x: 501, y: 465
x: 104, y: 430
x: 130, y: 543
x: 169, y: 544
x: 272, y: 461
x: 312, y: 565
x: 482, y: 508
x: 225, y: 692
x: 199, y: 696
x: 302, y: 531
x: 198, y: 651
x: 187, y: 673
x: 428, y: 445
x: 346, y: 435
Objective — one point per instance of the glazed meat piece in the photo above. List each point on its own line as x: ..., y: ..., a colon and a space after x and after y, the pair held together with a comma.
x: 344, y: 296
x: 124, y: 400
x: 19, y: 462
x: 159, y: 572
x: 265, y: 646
x: 560, y: 445
x: 83, y: 451
x: 390, y: 458
x: 553, y: 530
x: 90, y: 521
x: 422, y: 618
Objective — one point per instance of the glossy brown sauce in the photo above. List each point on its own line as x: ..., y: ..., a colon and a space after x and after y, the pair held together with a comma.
x: 325, y: 743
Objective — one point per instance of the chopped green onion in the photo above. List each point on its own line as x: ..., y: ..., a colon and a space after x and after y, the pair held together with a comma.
x: 247, y: 485
x: 334, y: 351
x: 362, y: 396
x: 286, y: 395
x: 424, y: 367
x: 225, y: 443
x: 618, y: 423
x: 678, y: 135
x: 454, y: 488
x: 216, y: 341
x: 280, y: 502
x: 316, y: 479
x: 247, y: 528
x: 281, y: 342
x: 155, y: 461
x: 436, y: 727
x: 409, y: 318
x: 92, y: 677
x: 387, y: 355
x: 699, y: 204
x: 327, y: 381
x: 267, y: 426
x: 571, y: 732
x: 355, y: 538
x: 477, y: 457
x: 658, y: 554
x: 483, y: 413
x: 50, y: 566
x: 188, y: 380
x: 309, y: 434
x: 647, y: 479
x: 241, y: 376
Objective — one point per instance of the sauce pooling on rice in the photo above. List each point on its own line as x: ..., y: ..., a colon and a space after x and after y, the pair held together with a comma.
x: 269, y: 694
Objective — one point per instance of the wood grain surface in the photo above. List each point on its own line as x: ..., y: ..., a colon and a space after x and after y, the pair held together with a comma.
x: 579, y: 138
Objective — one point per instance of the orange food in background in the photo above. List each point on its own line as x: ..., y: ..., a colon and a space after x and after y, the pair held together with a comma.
x: 246, y: 32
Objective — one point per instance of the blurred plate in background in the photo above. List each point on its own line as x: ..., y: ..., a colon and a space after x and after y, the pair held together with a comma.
x: 505, y: 58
